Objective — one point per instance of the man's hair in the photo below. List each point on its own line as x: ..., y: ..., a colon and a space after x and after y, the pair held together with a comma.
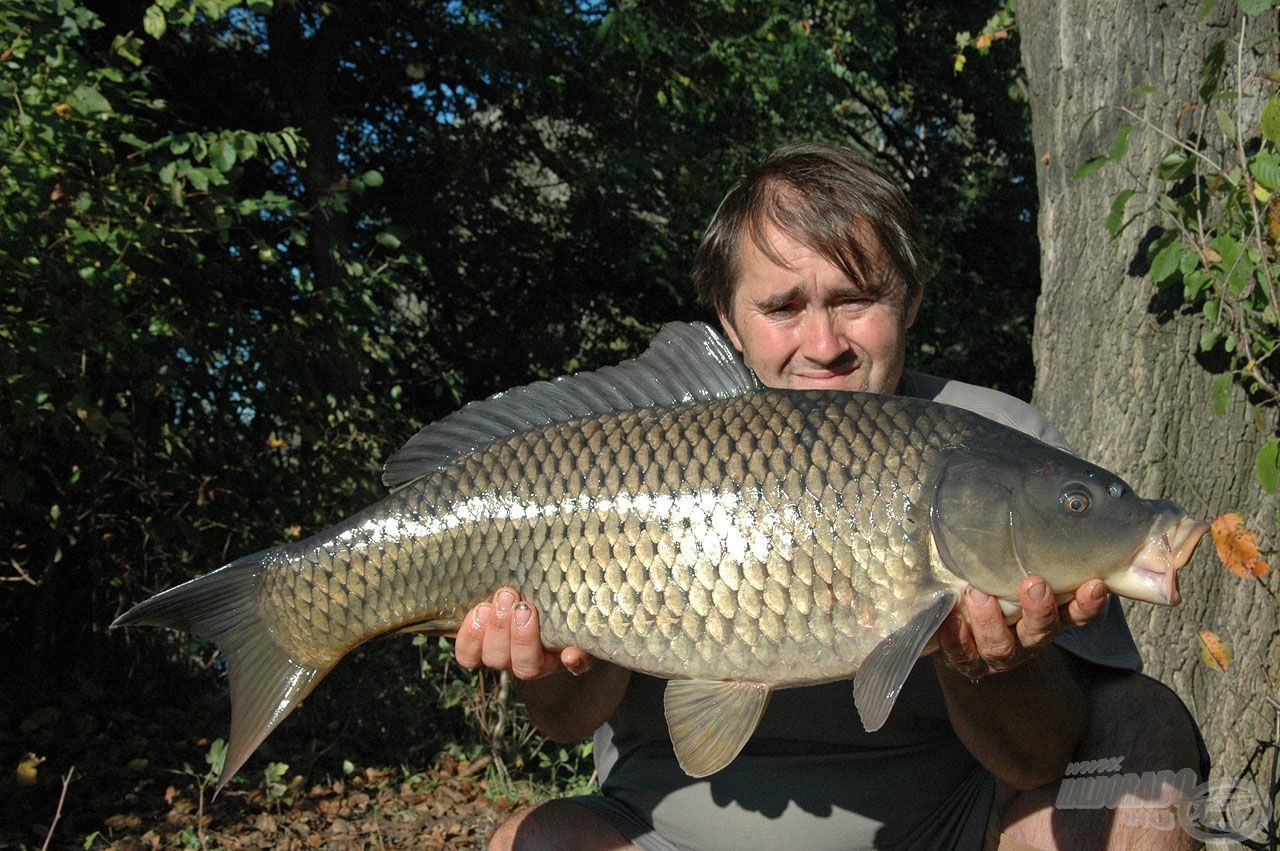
x: 827, y: 199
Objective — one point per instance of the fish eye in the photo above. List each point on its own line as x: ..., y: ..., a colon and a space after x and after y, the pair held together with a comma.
x: 1075, y: 499
x: 1116, y: 489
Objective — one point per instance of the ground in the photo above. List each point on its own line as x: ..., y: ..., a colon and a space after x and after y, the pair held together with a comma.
x: 449, y: 804
x: 378, y: 757
x: 445, y: 806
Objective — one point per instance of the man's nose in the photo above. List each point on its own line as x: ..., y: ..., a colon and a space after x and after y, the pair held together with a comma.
x: 822, y: 341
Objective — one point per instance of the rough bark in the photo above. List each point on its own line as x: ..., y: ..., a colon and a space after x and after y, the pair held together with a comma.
x: 1117, y: 362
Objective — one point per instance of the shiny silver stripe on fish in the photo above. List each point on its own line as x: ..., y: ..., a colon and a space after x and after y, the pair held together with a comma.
x: 671, y: 515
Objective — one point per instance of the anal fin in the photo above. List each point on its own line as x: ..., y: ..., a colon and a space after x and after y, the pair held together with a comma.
x: 711, y: 720
x: 879, y: 680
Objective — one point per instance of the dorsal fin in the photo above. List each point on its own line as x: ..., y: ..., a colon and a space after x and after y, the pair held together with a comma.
x: 686, y: 362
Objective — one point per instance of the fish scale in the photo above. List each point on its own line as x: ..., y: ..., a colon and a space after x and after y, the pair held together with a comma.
x: 670, y: 515
x: 590, y: 547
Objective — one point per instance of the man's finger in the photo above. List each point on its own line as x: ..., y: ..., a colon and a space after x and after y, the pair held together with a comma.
x: 496, y: 652
x: 1039, y: 623
x: 529, y: 660
x: 994, y: 640
x: 1089, y: 601
x: 468, y: 646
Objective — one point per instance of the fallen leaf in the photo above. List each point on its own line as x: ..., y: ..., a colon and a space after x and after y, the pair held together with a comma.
x: 1238, y: 546
x: 1214, y: 651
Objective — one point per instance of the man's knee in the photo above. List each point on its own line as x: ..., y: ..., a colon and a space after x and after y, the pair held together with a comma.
x: 557, y: 824
x: 1141, y: 723
x: 1137, y: 727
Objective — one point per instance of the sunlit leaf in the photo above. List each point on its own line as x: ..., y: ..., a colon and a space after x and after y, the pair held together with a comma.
x: 1120, y: 145
x: 153, y: 21
x: 1271, y: 120
x: 1265, y: 168
x: 1165, y: 263
x: 1115, y: 219
x: 1214, y: 651
x: 87, y: 100
x: 1237, y: 546
x: 1268, y: 465
x: 1255, y: 7
x: 1221, y: 393
x: 1175, y: 165
x: 1089, y: 167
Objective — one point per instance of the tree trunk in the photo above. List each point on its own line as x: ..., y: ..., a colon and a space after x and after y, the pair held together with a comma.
x: 1117, y: 361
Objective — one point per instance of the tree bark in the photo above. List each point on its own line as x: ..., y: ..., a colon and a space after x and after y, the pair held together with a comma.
x: 1117, y: 361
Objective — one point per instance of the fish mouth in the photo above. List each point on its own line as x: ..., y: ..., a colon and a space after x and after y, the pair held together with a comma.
x: 1153, y: 572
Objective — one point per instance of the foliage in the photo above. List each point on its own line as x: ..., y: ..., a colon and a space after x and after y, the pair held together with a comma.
x: 247, y: 247
x: 997, y: 28
x: 1216, y: 198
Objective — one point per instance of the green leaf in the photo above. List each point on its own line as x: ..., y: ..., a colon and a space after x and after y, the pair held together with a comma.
x: 1175, y: 165
x: 1221, y: 394
x: 222, y: 155
x: 153, y: 21
x: 1255, y: 7
x: 1115, y: 219
x: 1271, y: 120
x: 1268, y: 465
x: 1226, y: 123
x: 1089, y: 167
x: 1265, y: 168
x: 1120, y: 144
x: 1165, y: 263
x: 87, y: 100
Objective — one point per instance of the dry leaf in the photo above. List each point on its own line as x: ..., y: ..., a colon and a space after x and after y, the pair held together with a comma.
x: 1214, y: 651
x: 1238, y: 546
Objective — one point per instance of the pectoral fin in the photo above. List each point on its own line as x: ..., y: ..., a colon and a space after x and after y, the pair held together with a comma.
x: 878, y: 681
x: 711, y: 720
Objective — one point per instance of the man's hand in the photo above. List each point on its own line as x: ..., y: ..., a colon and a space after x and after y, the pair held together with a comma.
x: 976, y: 640
x: 502, y: 634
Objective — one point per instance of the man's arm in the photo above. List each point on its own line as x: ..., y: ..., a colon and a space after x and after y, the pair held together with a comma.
x: 1011, y: 696
x: 568, y: 693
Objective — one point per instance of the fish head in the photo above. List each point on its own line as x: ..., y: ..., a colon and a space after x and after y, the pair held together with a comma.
x: 1027, y: 509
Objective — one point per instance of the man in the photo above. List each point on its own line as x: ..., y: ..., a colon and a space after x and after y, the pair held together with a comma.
x: 813, y: 265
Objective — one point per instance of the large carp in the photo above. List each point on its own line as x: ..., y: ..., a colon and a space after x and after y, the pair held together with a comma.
x: 673, y: 516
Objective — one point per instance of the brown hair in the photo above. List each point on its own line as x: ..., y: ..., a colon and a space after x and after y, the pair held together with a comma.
x: 826, y: 198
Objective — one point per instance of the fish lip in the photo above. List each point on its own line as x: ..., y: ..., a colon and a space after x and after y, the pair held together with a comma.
x: 1169, y: 545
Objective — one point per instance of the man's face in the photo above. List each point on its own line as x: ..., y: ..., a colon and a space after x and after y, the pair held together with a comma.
x: 805, y: 325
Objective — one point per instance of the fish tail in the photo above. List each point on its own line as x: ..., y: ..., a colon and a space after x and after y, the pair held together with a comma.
x: 266, y: 684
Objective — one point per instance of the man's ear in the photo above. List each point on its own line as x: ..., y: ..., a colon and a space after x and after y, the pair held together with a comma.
x: 726, y: 325
x: 910, y: 311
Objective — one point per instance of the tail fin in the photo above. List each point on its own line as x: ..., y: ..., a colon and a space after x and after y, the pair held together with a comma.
x: 222, y: 606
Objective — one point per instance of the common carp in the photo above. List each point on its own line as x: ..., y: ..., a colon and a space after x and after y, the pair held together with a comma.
x: 673, y: 516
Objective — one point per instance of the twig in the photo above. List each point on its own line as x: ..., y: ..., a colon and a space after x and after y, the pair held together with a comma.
x: 57, y: 814
x: 22, y: 575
